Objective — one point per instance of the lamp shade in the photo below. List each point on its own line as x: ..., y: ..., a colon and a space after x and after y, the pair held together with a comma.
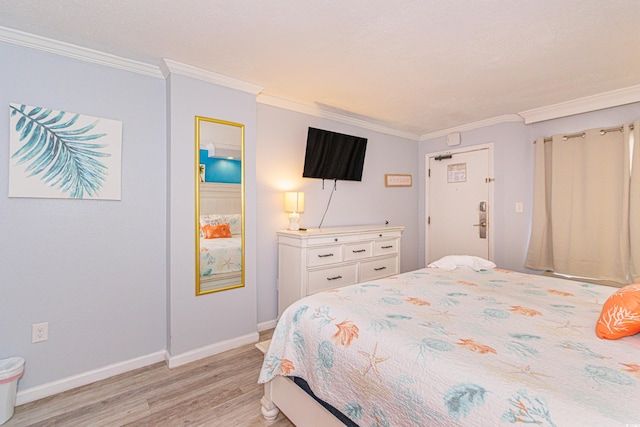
x: 294, y: 201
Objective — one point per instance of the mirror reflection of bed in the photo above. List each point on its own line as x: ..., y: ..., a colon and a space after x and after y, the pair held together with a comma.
x: 220, y: 251
x: 219, y: 205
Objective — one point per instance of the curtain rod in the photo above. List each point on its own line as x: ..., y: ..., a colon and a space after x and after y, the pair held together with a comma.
x: 583, y: 134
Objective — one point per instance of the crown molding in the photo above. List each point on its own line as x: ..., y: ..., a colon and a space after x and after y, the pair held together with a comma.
x: 470, y: 126
x: 325, y: 114
x: 596, y: 102
x: 600, y: 101
x: 169, y: 66
x: 77, y: 52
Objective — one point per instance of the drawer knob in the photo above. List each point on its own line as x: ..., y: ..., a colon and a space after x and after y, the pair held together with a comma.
x: 335, y: 240
x: 324, y: 255
x: 387, y: 247
x: 359, y: 250
x: 379, y: 268
x: 334, y: 278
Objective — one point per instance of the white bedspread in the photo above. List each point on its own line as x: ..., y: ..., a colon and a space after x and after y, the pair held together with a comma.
x: 220, y: 255
x: 461, y: 348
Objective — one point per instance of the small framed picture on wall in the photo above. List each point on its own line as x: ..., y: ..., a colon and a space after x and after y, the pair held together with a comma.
x: 397, y: 180
x: 203, y: 169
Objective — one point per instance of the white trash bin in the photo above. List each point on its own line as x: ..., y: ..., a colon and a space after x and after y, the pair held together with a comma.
x: 11, y: 370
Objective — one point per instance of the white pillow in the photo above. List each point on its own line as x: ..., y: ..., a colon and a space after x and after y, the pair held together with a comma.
x: 451, y: 262
x: 235, y: 223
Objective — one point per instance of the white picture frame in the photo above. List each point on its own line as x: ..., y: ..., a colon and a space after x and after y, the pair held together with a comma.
x: 398, y: 180
x: 62, y: 155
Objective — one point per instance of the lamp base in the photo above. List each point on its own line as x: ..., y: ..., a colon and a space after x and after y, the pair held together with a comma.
x: 294, y: 221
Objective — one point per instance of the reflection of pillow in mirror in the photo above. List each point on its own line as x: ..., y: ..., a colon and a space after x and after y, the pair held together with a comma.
x: 210, y: 219
x: 204, y: 220
x: 234, y: 221
x: 211, y: 231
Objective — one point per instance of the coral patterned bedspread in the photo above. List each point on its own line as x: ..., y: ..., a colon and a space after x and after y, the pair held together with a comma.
x: 220, y: 256
x: 447, y: 348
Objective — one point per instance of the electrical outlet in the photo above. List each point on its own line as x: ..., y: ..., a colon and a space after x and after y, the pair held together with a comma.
x: 39, y: 332
x: 519, y: 207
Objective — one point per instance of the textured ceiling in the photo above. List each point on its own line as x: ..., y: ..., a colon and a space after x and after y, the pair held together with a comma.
x: 417, y: 66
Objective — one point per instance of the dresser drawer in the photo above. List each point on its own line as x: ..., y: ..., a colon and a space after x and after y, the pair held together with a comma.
x: 325, y: 240
x: 384, y: 247
x: 321, y: 259
x: 358, y: 251
x: 324, y: 256
x: 329, y: 278
x: 378, y: 268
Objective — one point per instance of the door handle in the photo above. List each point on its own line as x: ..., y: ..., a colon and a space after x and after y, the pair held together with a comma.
x: 482, y: 220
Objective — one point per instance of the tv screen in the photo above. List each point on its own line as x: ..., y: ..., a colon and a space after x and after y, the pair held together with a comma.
x: 332, y: 155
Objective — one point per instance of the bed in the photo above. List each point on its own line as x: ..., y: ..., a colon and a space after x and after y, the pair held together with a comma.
x: 220, y: 257
x: 453, y: 347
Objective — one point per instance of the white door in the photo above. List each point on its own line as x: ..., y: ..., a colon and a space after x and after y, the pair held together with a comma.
x: 458, y: 204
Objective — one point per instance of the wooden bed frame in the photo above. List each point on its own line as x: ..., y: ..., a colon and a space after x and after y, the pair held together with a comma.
x: 217, y: 198
x: 282, y: 394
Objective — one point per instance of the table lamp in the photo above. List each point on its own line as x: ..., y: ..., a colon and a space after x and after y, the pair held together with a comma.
x: 294, y: 203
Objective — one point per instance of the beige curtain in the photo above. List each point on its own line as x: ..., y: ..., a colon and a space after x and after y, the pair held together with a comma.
x: 540, y: 252
x: 634, y: 206
x: 581, y: 206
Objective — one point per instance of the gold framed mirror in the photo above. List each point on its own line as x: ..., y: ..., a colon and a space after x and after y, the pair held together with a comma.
x: 219, y: 181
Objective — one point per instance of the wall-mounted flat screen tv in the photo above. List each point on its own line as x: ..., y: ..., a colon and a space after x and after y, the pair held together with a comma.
x: 335, y: 156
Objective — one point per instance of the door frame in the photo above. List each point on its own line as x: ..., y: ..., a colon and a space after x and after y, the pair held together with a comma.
x: 491, y: 213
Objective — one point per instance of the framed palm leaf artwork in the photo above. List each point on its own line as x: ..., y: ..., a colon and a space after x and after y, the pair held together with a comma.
x: 63, y: 155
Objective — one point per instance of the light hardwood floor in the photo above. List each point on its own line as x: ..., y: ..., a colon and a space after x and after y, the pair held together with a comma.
x: 221, y: 390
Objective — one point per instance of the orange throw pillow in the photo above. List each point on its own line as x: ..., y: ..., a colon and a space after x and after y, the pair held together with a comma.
x: 216, y: 231
x: 620, y: 316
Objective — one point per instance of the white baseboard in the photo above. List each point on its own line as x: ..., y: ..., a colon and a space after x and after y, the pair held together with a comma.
x: 210, y: 350
x: 64, y: 384
x: 264, y: 326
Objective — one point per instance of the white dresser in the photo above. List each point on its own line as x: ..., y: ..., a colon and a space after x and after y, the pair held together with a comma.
x: 319, y: 259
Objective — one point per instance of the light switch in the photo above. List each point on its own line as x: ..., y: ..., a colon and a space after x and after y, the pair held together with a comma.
x: 519, y: 207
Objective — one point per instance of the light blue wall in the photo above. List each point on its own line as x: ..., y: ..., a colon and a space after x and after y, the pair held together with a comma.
x: 196, y: 322
x: 609, y: 117
x: 115, y: 280
x: 513, y: 167
x: 282, y: 137
x: 94, y: 270
x: 513, y: 171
